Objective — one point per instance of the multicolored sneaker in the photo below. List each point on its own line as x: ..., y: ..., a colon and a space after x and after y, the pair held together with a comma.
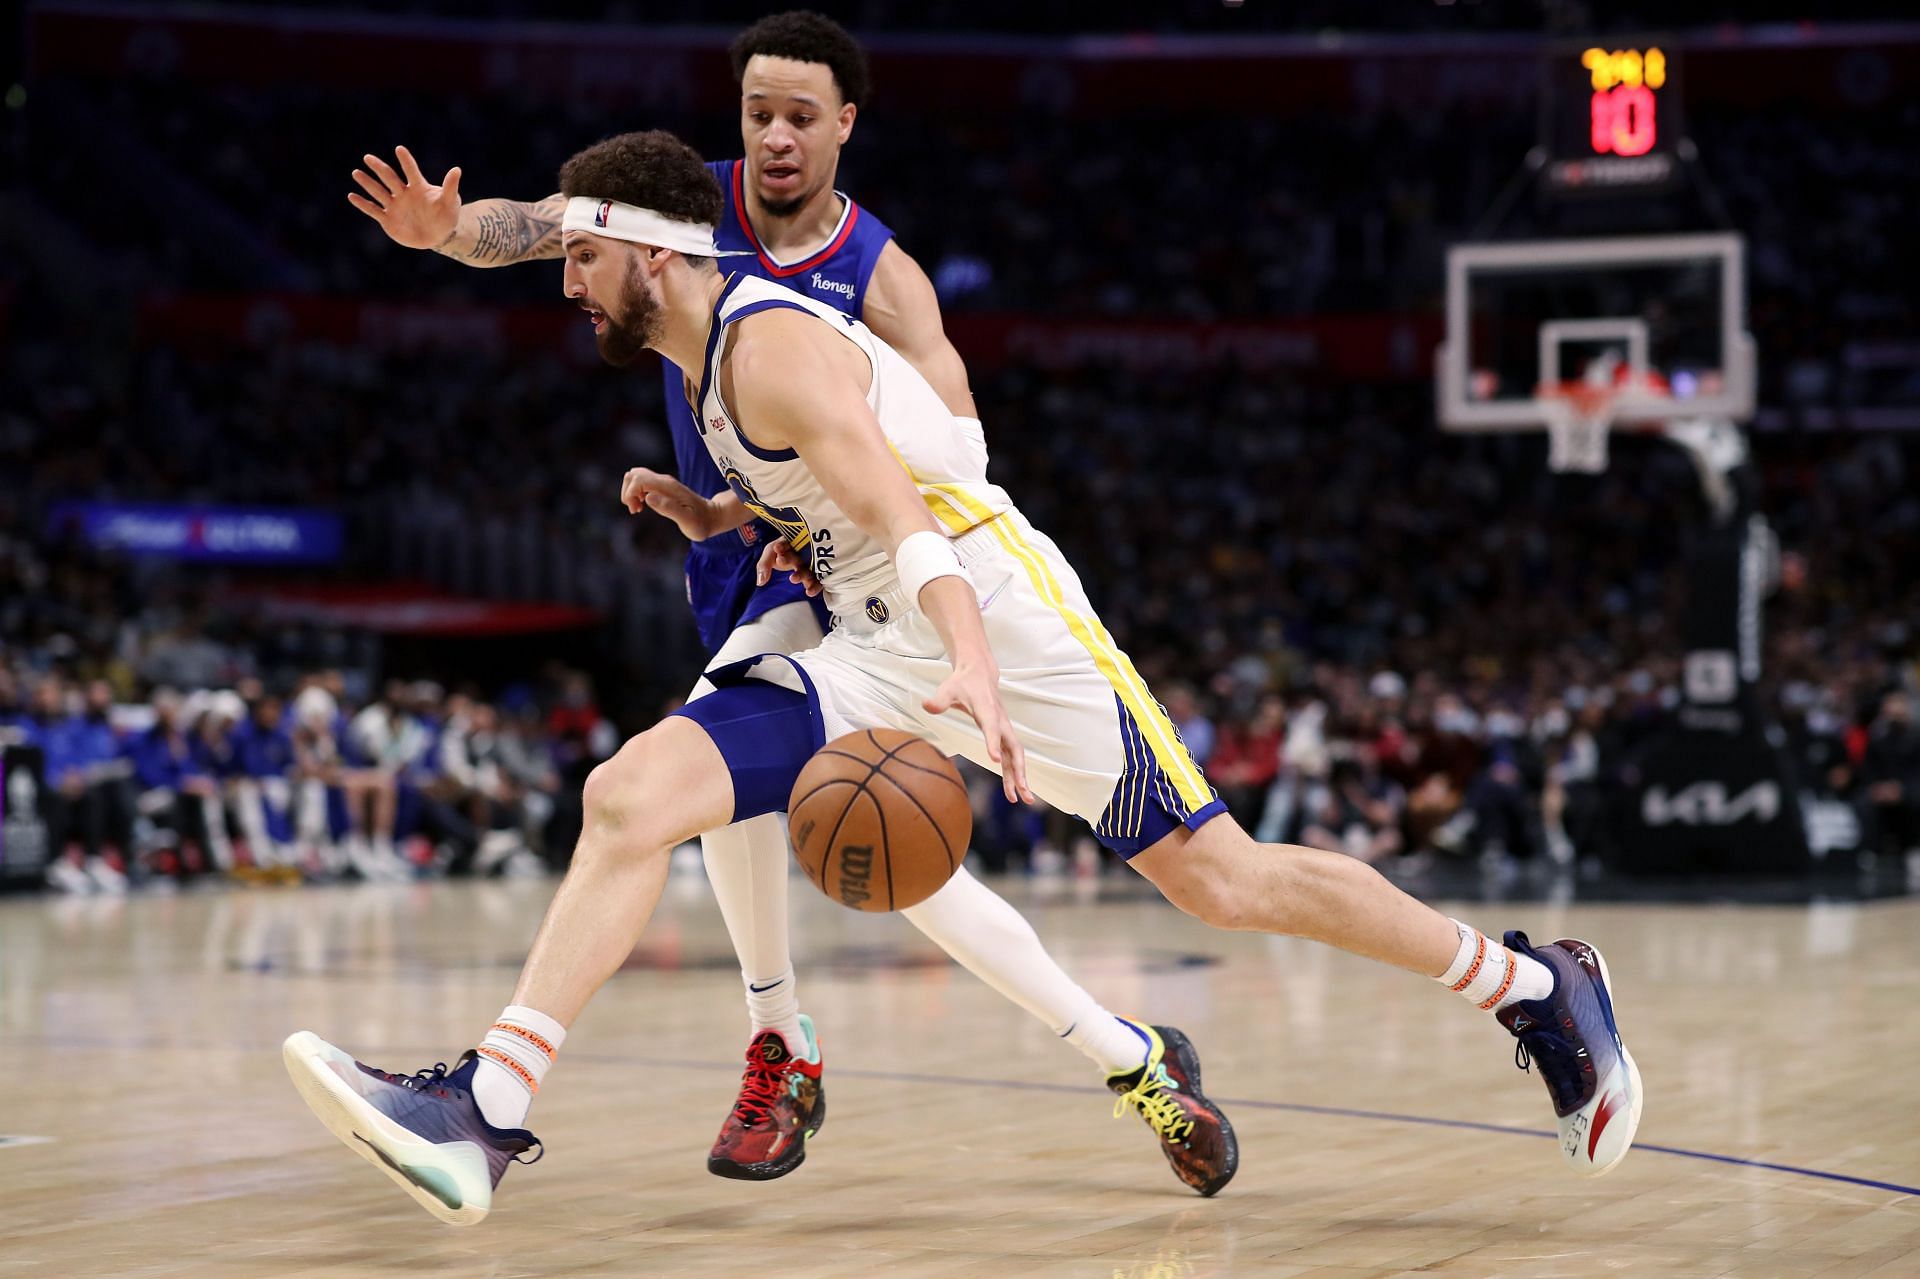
x: 1194, y: 1134
x: 424, y: 1130
x: 782, y: 1103
x: 1572, y: 1037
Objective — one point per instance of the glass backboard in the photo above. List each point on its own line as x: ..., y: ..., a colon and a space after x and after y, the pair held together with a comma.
x: 1661, y: 317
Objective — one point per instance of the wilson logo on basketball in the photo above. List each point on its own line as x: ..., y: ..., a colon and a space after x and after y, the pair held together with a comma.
x: 856, y: 873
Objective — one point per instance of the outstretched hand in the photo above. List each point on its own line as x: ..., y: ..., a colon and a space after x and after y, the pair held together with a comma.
x: 781, y: 557
x: 411, y: 210
x: 649, y: 490
x: 975, y: 691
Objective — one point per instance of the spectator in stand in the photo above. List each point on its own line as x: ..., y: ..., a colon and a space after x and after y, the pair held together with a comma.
x: 1357, y: 813
x: 1247, y: 759
x: 473, y: 762
x: 1449, y: 760
x: 527, y: 760
x: 1183, y: 708
x: 1499, y: 797
x: 172, y: 791
x: 215, y: 718
x: 319, y: 802
x: 1303, y: 764
x: 261, y: 790
x: 1891, y: 773
x: 384, y: 739
x: 87, y: 800
x: 581, y: 737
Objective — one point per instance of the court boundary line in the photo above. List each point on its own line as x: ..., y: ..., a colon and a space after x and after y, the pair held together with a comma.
x: 1294, y: 1107
x: 1250, y: 1103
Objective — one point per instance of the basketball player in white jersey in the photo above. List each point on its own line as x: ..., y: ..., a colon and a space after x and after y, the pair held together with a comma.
x: 954, y: 619
x: 802, y: 79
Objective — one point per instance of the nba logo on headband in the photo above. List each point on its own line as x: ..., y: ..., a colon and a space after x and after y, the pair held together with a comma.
x: 600, y: 214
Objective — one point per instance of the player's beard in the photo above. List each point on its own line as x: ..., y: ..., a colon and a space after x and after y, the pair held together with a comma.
x: 638, y: 325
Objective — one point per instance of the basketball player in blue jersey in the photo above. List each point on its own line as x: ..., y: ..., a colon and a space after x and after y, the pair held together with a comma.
x: 954, y: 619
x: 802, y: 80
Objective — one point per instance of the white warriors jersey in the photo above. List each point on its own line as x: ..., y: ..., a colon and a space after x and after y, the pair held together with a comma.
x: 945, y: 458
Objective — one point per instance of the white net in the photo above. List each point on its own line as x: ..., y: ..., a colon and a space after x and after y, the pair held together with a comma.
x: 1578, y: 425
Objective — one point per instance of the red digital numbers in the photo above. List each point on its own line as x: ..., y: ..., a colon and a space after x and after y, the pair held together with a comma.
x: 1624, y: 112
x: 1623, y: 120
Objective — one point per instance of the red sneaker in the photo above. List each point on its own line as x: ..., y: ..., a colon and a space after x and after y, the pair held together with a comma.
x: 781, y: 1104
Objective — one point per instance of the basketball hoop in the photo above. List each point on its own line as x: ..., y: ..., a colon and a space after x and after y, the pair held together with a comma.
x: 1582, y: 415
x: 1579, y: 418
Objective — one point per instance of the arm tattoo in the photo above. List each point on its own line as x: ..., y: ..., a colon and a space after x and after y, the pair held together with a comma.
x: 508, y: 231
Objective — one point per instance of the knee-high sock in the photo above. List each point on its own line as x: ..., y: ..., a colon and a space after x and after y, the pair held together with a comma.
x: 995, y: 943
x: 747, y: 866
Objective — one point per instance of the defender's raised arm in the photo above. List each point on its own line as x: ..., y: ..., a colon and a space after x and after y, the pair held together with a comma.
x: 418, y: 214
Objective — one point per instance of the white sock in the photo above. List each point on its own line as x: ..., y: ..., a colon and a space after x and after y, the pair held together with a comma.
x: 995, y: 943
x: 774, y: 1004
x: 514, y: 1057
x: 1115, y: 1045
x: 1489, y: 975
x: 747, y: 866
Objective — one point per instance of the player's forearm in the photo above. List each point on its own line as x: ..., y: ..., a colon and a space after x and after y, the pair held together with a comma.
x: 953, y: 608
x: 503, y: 232
x: 726, y: 512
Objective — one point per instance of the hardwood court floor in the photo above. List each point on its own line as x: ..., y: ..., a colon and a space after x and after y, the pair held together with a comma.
x: 1383, y: 1127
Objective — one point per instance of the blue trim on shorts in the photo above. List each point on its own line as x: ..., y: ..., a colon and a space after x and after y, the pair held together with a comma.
x: 766, y: 732
x: 1146, y: 806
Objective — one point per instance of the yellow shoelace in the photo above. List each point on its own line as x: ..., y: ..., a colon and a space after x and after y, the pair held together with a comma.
x: 1162, y: 1112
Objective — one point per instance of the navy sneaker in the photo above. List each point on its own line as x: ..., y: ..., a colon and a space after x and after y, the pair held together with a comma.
x: 1571, y: 1036
x: 424, y: 1130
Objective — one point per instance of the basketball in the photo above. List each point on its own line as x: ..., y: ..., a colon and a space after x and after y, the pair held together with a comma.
x: 879, y: 820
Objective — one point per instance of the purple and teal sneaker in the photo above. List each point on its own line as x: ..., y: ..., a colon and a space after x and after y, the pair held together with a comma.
x: 1571, y: 1036
x: 424, y: 1130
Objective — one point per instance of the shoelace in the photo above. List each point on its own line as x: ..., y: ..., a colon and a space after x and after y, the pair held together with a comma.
x: 1558, y: 1060
x: 1162, y: 1112
x: 437, y: 1074
x: 760, y: 1087
x: 419, y: 1079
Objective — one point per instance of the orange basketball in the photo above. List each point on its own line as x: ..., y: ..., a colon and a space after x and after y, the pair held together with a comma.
x: 879, y: 819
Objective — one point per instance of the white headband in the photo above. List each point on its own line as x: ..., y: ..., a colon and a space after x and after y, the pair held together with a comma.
x: 640, y: 226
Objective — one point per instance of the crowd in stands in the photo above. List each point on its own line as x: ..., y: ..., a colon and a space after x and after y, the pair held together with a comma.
x: 1309, y: 213
x: 1375, y: 637
x: 171, y: 749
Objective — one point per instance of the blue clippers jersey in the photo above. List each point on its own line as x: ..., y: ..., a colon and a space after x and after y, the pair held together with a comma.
x: 720, y: 570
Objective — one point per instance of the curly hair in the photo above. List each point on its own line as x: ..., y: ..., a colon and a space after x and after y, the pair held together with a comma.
x: 653, y: 170
x: 806, y: 36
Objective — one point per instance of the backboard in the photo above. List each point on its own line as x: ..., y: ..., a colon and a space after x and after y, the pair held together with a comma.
x: 1663, y: 318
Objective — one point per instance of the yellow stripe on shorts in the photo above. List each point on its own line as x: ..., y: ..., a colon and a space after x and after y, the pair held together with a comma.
x: 1161, y: 736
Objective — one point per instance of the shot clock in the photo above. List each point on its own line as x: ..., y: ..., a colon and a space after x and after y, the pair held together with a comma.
x: 1610, y: 117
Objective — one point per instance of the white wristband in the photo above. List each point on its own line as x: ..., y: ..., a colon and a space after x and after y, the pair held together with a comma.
x: 920, y: 558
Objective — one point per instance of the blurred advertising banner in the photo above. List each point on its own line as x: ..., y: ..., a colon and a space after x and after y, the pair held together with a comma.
x: 413, y: 608
x: 219, y: 534
x: 1381, y: 346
